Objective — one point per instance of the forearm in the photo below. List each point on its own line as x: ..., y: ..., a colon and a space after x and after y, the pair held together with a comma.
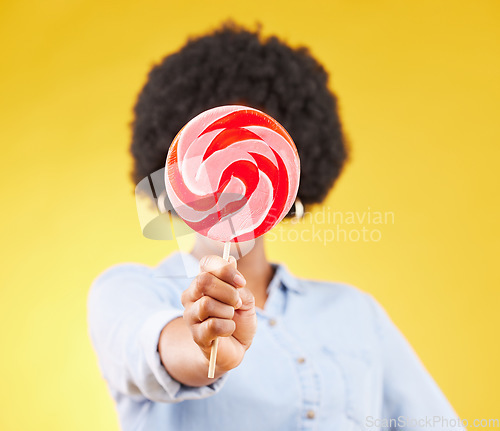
x: 181, y: 356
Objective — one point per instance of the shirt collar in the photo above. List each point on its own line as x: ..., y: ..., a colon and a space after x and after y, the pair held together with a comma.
x: 187, y: 266
x: 283, y: 277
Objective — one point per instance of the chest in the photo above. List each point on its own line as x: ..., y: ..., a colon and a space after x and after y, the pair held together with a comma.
x: 308, y: 376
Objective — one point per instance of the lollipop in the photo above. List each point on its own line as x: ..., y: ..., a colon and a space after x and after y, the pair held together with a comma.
x: 232, y: 174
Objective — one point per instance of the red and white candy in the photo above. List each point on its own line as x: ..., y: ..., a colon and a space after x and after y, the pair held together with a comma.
x: 232, y: 173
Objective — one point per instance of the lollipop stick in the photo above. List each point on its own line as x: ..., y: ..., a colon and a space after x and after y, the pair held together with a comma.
x: 213, y: 358
x: 225, y: 253
x: 215, y: 344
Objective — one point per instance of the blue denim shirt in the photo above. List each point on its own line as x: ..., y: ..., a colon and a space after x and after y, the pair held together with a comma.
x: 325, y: 357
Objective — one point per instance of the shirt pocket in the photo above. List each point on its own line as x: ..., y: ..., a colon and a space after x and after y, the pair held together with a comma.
x: 362, y: 378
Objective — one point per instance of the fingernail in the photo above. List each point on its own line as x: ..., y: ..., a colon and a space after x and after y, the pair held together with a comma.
x: 239, y: 280
x: 239, y: 304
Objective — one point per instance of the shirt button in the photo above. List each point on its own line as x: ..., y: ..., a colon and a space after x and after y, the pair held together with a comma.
x: 272, y: 322
x: 311, y: 414
x: 301, y: 360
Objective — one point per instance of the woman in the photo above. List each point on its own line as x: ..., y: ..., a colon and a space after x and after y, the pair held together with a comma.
x: 293, y: 354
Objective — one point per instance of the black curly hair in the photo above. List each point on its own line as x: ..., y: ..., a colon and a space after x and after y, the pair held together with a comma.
x: 234, y: 65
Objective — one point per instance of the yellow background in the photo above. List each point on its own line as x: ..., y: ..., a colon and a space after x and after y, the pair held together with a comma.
x: 418, y: 84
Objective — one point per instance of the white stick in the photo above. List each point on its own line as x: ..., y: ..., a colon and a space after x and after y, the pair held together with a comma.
x: 227, y: 249
x: 215, y: 343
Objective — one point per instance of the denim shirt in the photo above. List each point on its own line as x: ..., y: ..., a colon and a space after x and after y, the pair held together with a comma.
x: 325, y: 357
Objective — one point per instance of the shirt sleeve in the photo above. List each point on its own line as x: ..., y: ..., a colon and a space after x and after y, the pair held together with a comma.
x: 127, y: 309
x: 412, y: 399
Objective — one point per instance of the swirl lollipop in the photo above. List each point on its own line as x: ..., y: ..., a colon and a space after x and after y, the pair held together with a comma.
x: 232, y: 174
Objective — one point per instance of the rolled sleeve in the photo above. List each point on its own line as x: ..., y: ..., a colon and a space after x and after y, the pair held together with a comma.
x: 127, y: 310
x: 161, y: 386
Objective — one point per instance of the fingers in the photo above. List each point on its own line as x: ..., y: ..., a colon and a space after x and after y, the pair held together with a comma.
x: 247, y: 299
x: 225, y: 271
x: 207, y: 307
x: 211, y: 300
x: 205, y: 332
x: 207, y: 284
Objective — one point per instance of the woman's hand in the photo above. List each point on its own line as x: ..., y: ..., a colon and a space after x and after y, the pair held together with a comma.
x: 218, y: 305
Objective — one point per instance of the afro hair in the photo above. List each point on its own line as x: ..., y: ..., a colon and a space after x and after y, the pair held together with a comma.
x: 234, y: 65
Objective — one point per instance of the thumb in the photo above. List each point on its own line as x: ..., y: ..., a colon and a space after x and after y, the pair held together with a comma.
x: 232, y: 260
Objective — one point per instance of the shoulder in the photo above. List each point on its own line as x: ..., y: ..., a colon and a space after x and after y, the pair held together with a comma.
x: 351, y: 307
x: 331, y: 292
x: 167, y: 270
x: 136, y: 280
x: 345, y: 311
x: 119, y: 280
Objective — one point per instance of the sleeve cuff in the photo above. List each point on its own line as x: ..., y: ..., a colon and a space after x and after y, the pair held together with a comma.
x: 160, y: 386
